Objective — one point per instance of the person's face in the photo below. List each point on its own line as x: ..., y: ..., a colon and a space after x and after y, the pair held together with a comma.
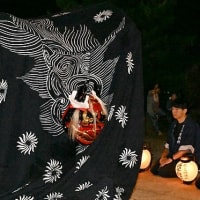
x: 156, y: 88
x: 179, y: 113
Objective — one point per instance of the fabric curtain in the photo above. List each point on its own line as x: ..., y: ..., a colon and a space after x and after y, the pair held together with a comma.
x: 42, y: 61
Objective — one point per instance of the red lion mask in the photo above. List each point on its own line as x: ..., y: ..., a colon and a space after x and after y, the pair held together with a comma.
x: 84, y: 120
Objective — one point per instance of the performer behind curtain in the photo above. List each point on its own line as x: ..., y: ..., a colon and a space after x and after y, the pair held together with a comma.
x: 85, y: 116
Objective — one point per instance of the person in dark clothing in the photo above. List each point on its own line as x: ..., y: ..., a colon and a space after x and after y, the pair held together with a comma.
x: 154, y: 111
x: 169, y: 106
x: 183, y: 138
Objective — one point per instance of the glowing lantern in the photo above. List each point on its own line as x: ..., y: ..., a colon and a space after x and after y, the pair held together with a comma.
x: 146, y: 159
x: 186, y: 170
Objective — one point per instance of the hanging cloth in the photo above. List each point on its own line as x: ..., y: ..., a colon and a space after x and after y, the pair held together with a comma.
x: 42, y: 61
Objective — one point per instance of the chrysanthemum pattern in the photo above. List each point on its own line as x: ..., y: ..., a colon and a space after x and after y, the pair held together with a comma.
x: 53, y: 171
x: 83, y: 186
x: 121, y: 115
x: 128, y: 158
x: 129, y: 61
x: 27, y: 143
x: 81, y: 162
x: 103, y: 194
x: 24, y: 197
x: 103, y: 16
x: 81, y: 148
x: 3, y: 90
x: 118, y: 194
x: 54, y: 196
x: 110, y: 114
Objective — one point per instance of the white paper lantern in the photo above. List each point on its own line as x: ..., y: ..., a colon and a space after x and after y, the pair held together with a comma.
x: 186, y: 170
x: 146, y: 159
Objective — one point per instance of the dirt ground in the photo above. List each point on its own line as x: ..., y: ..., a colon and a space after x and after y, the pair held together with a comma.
x: 151, y: 187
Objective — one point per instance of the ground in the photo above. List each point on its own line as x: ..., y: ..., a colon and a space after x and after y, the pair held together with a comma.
x: 151, y: 187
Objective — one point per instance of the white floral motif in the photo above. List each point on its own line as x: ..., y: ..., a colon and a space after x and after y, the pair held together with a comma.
x: 121, y: 115
x: 103, y: 16
x: 128, y: 158
x: 103, y: 194
x: 83, y: 186
x: 54, y: 196
x: 81, y: 162
x: 53, y: 171
x: 112, y: 109
x: 129, y: 61
x: 81, y: 148
x: 24, y: 197
x: 3, y: 90
x: 119, y: 192
x: 27, y: 143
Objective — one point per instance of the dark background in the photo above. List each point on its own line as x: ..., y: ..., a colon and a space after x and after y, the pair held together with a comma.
x: 170, y: 38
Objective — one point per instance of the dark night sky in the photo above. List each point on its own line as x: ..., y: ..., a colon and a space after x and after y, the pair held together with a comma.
x: 28, y: 8
x: 186, y: 25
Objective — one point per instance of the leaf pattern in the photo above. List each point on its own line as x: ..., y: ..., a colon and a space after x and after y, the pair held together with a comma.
x: 83, y: 186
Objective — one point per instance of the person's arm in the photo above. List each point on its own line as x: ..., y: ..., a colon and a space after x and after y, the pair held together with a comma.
x: 164, y: 153
x: 164, y: 158
x: 179, y: 154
